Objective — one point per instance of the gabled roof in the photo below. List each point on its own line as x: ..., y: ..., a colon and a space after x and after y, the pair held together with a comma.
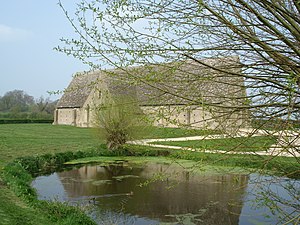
x: 185, y: 82
x: 78, y: 90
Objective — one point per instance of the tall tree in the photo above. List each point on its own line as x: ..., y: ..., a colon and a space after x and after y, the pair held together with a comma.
x: 16, y: 100
x: 265, y: 35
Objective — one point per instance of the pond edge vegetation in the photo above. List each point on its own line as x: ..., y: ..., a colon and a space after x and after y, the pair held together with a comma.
x: 18, y: 174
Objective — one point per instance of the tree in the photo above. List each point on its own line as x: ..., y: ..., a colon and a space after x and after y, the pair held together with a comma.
x: 18, y: 104
x: 16, y: 100
x: 45, y: 105
x: 264, y: 34
x: 43, y: 108
x: 118, y: 120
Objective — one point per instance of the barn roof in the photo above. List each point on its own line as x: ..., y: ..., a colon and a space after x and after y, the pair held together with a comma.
x: 185, y: 82
x: 78, y: 90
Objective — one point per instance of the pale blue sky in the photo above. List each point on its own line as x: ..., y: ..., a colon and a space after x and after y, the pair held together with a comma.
x: 29, y: 30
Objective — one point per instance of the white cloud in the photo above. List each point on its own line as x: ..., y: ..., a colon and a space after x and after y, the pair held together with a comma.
x: 8, y: 34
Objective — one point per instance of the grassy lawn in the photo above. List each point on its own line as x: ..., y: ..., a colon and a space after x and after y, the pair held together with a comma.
x: 159, y: 132
x: 242, y: 144
x: 17, y: 140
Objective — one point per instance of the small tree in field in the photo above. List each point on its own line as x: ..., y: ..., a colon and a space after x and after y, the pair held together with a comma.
x: 119, y: 120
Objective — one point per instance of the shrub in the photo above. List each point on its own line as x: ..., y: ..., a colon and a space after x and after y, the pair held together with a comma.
x: 17, y: 121
x: 119, y: 120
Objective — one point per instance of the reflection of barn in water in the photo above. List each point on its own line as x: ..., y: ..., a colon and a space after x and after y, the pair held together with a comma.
x: 216, y: 199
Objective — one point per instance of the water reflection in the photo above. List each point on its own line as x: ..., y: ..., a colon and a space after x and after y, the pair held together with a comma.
x: 123, y: 193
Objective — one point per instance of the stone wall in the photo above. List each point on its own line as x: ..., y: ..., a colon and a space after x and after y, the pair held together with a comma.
x: 66, y: 116
x: 194, y: 116
x: 164, y: 116
x: 71, y: 116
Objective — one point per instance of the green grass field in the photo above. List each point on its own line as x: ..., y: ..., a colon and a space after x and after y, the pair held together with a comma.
x: 239, y: 144
x: 159, y: 132
x: 17, y: 140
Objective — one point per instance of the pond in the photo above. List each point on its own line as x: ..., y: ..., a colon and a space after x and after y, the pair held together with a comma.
x: 124, y: 192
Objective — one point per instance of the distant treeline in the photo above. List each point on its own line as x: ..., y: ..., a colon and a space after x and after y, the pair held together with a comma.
x: 18, y: 105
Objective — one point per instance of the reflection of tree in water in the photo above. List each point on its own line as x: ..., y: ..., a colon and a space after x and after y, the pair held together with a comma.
x: 215, y: 199
x: 199, y: 198
x: 86, y: 181
x: 113, y: 170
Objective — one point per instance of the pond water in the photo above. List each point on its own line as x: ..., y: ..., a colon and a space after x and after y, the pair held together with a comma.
x: 167, y: 193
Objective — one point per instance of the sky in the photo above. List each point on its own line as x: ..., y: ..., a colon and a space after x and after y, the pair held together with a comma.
x: 29, y: 30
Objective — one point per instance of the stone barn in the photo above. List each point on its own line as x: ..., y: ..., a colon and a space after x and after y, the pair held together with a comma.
x: 206, y: 94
